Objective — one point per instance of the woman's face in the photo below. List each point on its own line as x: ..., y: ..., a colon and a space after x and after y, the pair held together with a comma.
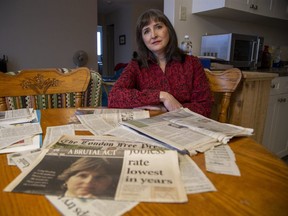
x: 88, y: 183
x: 156, y: 37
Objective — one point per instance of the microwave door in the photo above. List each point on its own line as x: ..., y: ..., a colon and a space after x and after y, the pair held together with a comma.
x: 243, y: 52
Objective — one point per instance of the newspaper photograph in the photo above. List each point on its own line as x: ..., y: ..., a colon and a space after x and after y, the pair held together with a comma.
x: 124, y: 175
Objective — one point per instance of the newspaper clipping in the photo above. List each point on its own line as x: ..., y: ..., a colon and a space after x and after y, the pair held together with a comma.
x: 127, y: 175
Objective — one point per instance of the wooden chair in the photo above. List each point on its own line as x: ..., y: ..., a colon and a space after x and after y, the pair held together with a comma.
x: 45, y: 82
x: 224, y: 82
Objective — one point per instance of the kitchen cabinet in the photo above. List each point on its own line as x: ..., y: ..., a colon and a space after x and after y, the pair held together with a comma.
x: 276, y: 132
x: 280, y: 9
x: 250, y: 102
x: 241, y: 9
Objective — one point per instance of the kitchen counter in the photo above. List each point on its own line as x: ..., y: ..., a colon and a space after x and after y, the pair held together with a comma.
x: 259, y: 75
x: 280, y: 71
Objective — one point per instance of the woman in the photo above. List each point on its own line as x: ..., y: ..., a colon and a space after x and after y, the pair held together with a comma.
x: 90, y: 178
x: 162, y: 75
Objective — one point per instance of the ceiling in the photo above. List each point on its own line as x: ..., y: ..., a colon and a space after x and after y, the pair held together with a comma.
x: 109, y: 6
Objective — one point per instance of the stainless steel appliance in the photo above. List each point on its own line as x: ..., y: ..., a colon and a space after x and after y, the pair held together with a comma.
x: 242, y: 51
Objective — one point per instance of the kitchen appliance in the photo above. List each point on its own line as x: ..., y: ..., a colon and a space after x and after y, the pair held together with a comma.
x: 242, y: 51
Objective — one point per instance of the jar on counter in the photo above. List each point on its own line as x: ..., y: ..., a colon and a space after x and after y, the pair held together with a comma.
x: 266, y: 58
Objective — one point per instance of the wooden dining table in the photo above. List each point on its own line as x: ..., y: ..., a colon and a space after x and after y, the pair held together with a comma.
x: 262, y: 188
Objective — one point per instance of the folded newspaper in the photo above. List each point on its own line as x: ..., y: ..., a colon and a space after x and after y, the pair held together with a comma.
x: 17, y: 116
x: 187, y: 131
x: 99, y: 120
x: 20, y: 130
x: 148, y: 175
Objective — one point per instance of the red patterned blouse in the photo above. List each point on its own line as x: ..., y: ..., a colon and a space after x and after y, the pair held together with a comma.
x: 186, y: 81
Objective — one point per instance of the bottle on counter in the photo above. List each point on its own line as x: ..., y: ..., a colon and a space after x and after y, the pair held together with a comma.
x: 276, y: 58
x: 266, y: 58
x: 186, y: 45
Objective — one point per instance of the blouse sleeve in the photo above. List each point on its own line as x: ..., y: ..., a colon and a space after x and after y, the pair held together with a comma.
x: 126, y: 94
x: 201, y: 97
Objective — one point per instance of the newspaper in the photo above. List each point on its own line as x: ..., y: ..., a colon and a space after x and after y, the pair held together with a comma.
x: 90, y: 207
x: 23, y: 159
x: 101, y: 143
x: 186, y: 131
x: 99, y: 121
x: 17, y: 116
x: 15, y: 135
x: 30, y: 143
x: 19, y: 130
x: 125, y: 175
x: 193, y: 178
x: 55, y: 132
x: 221, y: 160
x: 129, y: 134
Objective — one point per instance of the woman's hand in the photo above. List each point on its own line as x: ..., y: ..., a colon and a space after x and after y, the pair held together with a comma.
x: 169, y: 101
x: 153, y: 107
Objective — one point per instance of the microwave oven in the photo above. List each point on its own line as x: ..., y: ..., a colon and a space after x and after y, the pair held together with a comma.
x: 242, y: 51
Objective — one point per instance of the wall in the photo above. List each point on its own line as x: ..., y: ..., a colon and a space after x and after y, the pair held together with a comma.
x: 39, y: 33
x: 124, y: 20
x: 196, y: 26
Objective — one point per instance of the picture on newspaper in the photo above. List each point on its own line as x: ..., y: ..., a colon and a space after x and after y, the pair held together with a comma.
x: 127, y: 175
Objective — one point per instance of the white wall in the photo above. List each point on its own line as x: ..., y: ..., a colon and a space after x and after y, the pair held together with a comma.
x: 124, y: 21
x: 38, y: 33
x: 42, y: 33
x: 196, y: 26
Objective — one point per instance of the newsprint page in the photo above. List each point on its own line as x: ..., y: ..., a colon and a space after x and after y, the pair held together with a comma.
x: 187, y: 131
x: 122, y: 175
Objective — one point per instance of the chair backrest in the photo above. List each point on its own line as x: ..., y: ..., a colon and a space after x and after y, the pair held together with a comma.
x: 224, y: 82
x: 45, y: 82
x: 93, y: 94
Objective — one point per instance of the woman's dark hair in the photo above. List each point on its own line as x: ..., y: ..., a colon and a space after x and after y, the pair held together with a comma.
x: 172, y: 49
x: 111, y: 166
x: 84, y: 164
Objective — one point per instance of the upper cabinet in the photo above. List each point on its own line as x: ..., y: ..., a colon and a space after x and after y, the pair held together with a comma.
x: 240, y: 9
x: 280, y: 9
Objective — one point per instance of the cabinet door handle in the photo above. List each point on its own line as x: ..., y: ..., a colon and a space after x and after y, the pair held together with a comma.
x: 254, y: 6
x: 280, y: 100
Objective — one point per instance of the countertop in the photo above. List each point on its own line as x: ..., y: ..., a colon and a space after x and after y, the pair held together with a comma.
x: 280, y: 71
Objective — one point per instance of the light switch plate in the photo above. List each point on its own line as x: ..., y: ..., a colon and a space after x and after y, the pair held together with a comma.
x: 183, y: 13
